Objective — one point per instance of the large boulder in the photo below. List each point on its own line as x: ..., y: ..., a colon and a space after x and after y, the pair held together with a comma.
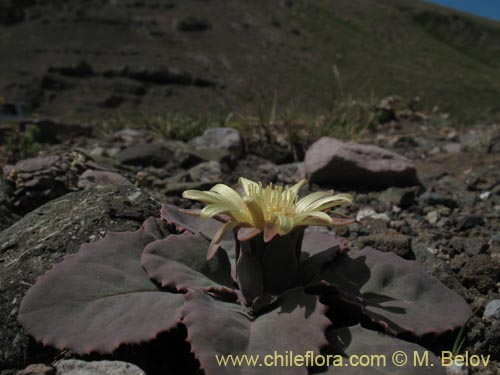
x: 41, y: 238
x: 330, y: 162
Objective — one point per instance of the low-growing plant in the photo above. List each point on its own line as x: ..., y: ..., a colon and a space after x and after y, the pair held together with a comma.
x: 244, y: 277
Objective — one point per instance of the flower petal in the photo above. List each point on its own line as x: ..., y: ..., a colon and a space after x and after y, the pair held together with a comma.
x: 311, y: 198
x: 217, y: 238
x: 295, y: 188
x: 315, y: 216
x: 246, y: 184
x: 285, y: 224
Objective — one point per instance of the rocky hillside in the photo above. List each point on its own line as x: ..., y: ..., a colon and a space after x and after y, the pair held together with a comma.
x: 85, y: 60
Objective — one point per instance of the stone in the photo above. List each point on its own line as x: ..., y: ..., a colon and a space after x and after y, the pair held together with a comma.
x: 474, y: 246
x: 452, y: 147
x: 209, y: 171
x: 432, y: 217
x: 388, y: 242
x: 482, y: 272
x: 371, y: 213
x: 436, y: 267
x: 91, y: 178
x: 209, y: 154
x: 494, y: 145
x: 82, y: 69
x: 469, y: 222
x: 34, y: 181
x: 399, y: 197
x: 330, y: 162
x: 77, y: 367
x: 143, y: 155
x: 220, y: 139
x: 436, y: 199
x: 37, y: 369
x: 42, y: 237
x: 492, y: 310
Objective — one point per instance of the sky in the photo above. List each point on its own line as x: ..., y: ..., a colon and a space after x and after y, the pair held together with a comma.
x: 483, y: 8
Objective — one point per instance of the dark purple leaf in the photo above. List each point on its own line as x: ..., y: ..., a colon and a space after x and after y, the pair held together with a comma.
x: 296, y: 324
x: 394, y: 292
x: 318, y: 249
x: 100, y: 298
x: 358, y: 341
x: 191, y: 223
x: 180, y: 261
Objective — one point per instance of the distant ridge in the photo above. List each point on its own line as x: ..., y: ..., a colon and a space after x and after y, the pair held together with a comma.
x: 83, y: 59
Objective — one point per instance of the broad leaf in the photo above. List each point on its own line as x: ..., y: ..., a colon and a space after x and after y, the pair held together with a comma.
x: 318, y: 250
x: 296, y: 324
x: 100, y: 298
x: 191, y: 223
x: 394, y: 292
x: 180, y: 261
x: 385, y: 352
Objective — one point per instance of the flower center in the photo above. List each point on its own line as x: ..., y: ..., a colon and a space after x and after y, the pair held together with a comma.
x: 275, y: 200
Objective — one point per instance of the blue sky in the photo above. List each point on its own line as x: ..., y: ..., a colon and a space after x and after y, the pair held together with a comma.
x: 483, y: 8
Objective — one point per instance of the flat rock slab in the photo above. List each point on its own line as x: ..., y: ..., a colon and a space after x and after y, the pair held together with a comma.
x: 330, y: 162
x: 145, y: 154
x: 76, y: 367
x: 41, y: 238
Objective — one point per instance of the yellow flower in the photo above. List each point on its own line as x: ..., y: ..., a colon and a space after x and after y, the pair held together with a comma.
x: 272, y: 209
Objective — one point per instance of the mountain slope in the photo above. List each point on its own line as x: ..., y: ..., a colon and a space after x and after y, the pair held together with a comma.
x: 83, y: 59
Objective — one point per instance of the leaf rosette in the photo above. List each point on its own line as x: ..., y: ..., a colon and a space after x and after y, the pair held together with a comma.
x: 268, y: 284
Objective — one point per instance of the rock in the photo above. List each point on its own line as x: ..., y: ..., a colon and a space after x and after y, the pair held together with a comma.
x: 436, y: 199
x: 177, y: 188
x: 35, y: 181
x: 77, y: 367
x: 455, y: 369
x: 432, y: 217
x: 41, y: 238
x: 91, y: 178
x: 220, y: 139
x: 81, y: 70
x: 436, y: 267
x: 290, y: 173
x: 470, y: 221
x: 491, y: 344
x: 193, y: 24
x: 128, y: 135
x: 494, y: 145
x: 331, y: 162
x: 209, y: 171
x: 399, y: 197
x: 209, y: 154
x: 37, y: 369
x: 452, y: 147
x: 388, y: 242
x: 158, y: 75
x: 144, y: 155
x: 457, y: 244
x: 371, y: 213
x: 492, y: 310
x: 482, y: 272
x: 474, y: 246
